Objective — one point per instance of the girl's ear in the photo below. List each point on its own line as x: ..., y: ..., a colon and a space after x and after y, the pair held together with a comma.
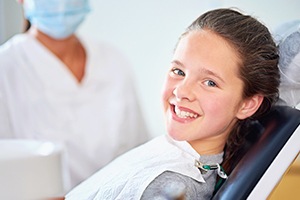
x: 250, y: 106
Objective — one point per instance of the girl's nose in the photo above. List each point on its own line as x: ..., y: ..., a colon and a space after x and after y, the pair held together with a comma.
x: 184, y: 91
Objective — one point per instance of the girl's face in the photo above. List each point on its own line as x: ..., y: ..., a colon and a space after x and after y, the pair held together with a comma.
x: 202, y: 96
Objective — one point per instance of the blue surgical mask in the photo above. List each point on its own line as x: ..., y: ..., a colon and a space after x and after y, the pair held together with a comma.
x: 57, y: 18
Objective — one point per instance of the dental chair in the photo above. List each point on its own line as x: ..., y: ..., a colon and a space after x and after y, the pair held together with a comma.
x: 273, y: 145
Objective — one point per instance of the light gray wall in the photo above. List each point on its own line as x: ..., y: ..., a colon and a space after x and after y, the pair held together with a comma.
x: 147, y: 31
x: 10, y: 19
x: 1, y: 21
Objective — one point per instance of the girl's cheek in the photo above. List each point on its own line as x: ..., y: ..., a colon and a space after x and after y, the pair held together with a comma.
x: 166, y: 93
x: 212, y: 103
x: 166, y: 88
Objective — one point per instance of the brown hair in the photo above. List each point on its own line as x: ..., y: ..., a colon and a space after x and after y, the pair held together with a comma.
x: 258, y: 71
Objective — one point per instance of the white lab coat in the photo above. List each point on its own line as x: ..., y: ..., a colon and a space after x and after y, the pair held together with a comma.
x: 128, y: 176
x: 95, y: 120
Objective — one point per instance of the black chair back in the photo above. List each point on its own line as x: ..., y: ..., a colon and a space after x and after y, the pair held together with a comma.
x: 276, y: 129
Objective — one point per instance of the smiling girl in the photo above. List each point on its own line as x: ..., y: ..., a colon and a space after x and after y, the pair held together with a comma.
x: 223, y: 74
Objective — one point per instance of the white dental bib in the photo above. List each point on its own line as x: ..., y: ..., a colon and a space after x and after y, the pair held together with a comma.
x: 128, y: 176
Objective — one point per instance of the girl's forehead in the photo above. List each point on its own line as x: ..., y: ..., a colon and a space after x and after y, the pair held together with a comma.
x: 208, y: 39
x: 206, y: 48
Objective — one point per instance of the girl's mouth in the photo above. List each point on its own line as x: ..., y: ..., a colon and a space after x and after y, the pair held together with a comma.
x: 184, y: 113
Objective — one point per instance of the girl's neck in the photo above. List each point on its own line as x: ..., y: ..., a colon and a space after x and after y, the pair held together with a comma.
x: 210, y: 146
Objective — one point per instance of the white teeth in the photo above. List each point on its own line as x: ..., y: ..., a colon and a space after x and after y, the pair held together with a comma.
x: 184, y: 114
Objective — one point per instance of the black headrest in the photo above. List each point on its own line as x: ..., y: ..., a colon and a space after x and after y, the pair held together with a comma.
x: 270, y: 135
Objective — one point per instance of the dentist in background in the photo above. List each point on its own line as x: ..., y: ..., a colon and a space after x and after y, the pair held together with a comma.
x: 61, y: 87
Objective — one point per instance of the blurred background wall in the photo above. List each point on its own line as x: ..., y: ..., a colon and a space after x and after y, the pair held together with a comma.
x: 147, y: 31
x: 11, y: 21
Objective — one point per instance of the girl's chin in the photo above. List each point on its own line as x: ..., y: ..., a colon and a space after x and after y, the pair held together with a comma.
x: 176, y: 136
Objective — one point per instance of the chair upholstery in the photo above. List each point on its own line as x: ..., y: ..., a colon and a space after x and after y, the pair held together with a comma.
x: 266, y: 160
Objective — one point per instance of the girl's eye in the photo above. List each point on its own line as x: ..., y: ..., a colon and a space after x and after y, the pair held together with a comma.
x: 178, y: 72
x: 210, y: 83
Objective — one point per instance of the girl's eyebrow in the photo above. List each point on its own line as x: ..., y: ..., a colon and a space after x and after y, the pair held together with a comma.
x: 201, y: 70
x: 211, y: 73
x: 177, y: 63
